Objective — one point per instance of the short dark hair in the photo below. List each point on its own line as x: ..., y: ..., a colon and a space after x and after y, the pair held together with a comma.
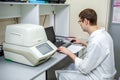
x: 90, y: 15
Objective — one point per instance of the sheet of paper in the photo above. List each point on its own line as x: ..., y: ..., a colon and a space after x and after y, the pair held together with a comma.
x: 75, y: 48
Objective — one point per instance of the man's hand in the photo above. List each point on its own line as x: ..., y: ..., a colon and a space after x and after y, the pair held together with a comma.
x: 64, y: 50
x: 78, y: 41
x: 67, y: 52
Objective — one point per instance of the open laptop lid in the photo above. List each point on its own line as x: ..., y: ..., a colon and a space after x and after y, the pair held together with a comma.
x: 50, y: 34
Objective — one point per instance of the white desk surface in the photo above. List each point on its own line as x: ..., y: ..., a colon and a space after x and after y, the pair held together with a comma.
x: 16, y: 71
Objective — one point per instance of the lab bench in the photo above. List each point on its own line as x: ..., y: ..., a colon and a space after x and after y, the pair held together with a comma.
x: 15, y: 71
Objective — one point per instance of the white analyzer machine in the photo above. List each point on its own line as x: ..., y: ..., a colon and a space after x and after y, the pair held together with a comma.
x: 27, y: 44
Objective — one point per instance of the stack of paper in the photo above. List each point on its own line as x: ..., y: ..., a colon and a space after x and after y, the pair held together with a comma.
x: 75, y: 48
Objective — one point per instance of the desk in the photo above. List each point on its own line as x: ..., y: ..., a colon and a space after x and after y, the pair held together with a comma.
x: 16, y: 71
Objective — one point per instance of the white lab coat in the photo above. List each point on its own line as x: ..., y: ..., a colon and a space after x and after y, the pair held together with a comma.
x: 98, y: 63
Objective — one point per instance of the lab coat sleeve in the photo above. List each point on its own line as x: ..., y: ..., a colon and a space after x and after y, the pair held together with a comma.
x: 95, y: 55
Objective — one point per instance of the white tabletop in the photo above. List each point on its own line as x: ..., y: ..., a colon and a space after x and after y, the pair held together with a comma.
x: 16, y: 71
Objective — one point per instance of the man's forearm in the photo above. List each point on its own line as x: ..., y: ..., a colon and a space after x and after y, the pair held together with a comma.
x: 72, y: 56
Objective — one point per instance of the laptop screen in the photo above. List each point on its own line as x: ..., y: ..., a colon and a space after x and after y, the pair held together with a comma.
x: 50, y: 34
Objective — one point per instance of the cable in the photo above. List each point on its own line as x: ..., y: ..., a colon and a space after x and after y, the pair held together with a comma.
x: 44, y: 20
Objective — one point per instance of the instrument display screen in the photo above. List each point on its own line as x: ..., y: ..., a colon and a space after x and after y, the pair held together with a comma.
x: 44, y: 48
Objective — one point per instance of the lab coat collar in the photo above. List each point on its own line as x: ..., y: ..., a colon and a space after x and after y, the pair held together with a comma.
x: 97, y: 32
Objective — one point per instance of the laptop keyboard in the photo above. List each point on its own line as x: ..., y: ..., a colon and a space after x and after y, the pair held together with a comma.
x: 66, y: 45
x: 58, y: 44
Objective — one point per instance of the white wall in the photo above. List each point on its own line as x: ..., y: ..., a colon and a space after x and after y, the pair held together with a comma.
x: 100, y: 6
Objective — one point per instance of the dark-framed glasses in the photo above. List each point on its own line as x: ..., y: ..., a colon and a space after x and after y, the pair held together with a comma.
x: 79, y: 21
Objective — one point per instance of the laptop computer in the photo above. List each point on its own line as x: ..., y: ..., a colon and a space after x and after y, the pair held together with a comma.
x: 52, y: 37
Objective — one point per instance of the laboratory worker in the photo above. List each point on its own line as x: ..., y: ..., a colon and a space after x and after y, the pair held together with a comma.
x: 98, y: 61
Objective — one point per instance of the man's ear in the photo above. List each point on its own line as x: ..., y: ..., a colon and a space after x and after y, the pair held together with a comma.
x: 86, y: 21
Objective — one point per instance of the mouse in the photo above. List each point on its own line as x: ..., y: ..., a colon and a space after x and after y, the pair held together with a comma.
x: 72, y: 41
x: 58, y: 50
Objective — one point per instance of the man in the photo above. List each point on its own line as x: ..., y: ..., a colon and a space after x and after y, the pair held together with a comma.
x: 98, y: 63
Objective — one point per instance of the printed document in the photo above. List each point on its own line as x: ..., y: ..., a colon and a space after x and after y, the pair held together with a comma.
x: 75, y: 48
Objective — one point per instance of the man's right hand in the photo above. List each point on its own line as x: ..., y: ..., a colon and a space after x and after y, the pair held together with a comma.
x: 78, y: 41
